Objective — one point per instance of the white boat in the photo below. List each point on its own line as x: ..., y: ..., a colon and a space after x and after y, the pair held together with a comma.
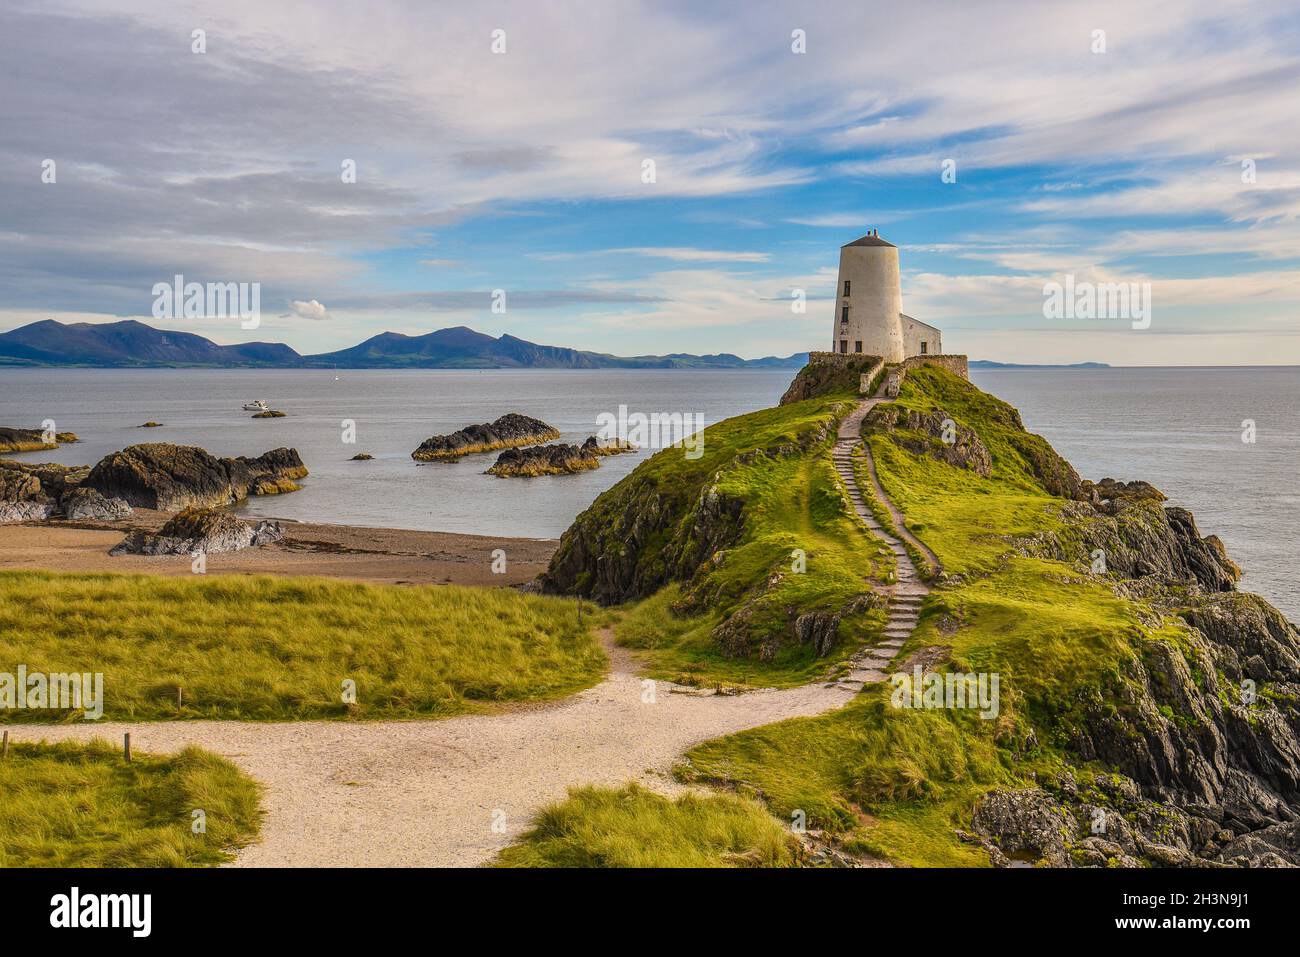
x: 257, y: 405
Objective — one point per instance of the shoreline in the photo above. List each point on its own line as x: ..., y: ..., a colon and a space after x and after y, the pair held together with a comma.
x: 377, y: 555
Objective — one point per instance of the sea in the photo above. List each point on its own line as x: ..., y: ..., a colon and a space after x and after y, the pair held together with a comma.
x: 1224, y: 442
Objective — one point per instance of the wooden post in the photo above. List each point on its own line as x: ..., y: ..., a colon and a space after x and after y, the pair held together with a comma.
x: 126, y: 746
x: 4, y: 749
x: 180, y: 700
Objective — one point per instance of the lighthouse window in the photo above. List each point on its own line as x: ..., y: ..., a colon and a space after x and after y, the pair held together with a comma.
x: 844, y: 314
x: 846, y: 289
x: 924, y: 347
x: 844, y: 345
x: 857, y: 346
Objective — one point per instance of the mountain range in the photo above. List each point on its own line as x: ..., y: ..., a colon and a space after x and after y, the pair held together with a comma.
x: 132, y: 344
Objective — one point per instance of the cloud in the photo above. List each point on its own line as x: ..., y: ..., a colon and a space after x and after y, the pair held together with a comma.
x: 309, y: 309
x: 690, y: 254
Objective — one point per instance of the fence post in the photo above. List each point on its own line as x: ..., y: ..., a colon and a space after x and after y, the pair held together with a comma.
x: 126, y: 746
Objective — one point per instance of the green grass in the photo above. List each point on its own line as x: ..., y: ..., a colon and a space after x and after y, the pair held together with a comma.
x: 81, y: 805
x: 633, y: 827
x: 280, y: 649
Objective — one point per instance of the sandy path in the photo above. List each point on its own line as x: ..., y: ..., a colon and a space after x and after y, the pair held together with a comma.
x: 424, y: 793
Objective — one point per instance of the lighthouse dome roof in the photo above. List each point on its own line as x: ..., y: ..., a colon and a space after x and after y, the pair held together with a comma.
x: 869, y: 240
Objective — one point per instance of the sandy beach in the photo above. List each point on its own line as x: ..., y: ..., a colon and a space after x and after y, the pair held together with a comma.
x: 380, y: 555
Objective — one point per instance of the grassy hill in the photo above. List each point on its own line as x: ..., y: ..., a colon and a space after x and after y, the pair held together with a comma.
x: 1126, y: 695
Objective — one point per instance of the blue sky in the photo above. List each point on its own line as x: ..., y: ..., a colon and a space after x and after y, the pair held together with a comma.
x: 522, y: 170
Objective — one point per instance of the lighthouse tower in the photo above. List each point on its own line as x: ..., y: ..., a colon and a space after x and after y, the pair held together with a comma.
x: 869, y: 300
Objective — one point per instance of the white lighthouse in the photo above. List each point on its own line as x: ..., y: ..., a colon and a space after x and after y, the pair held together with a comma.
x: 869, y: 305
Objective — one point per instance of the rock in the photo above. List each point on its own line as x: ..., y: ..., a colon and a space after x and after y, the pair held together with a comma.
x: 18, y: 484
x: 172, y: 477
x: 362, y: 457
x: 87, y: 504
x: 14, y: 512
x: 837, y: 374
x: 509, y: 431
x: 928, y: 433
x: 268, y: 414
x: 24, y: 440
x: 151, y: 424
x: 205, y: 530
x: 1024, y: 824
x: 610, y: 447
x: 537, y: 460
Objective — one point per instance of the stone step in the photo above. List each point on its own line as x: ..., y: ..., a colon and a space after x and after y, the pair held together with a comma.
x: 892, y: 644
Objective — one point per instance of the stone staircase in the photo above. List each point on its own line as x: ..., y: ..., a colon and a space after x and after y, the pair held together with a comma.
x: 909, y: 590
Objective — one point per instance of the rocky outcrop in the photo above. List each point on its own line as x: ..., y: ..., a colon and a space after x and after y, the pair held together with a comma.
x: 87, y: 504
x: 537, y: 460
x: 204, y: 530
x: 1139, y: 539
x: 172, y: 477
x: 34, y: 491
x: 31, y: 440
x: 936, y: 434
x: 828, y: 374
x: 268, y: 414
x: 509, y: 431
x: 12, y: 513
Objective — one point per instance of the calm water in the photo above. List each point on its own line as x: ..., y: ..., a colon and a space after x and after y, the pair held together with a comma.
x: 1177, y: 428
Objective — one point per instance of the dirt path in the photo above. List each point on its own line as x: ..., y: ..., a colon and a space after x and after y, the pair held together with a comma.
x: 428, y: 793
x: 424, y: 793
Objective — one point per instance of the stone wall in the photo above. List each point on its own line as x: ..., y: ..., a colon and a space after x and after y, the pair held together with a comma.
x: 956, y: 364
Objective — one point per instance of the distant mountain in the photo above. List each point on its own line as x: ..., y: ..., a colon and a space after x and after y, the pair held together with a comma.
x: 990, y: 364
x: 130, y: 344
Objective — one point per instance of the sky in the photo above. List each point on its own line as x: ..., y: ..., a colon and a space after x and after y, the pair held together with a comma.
x: 508, y: 146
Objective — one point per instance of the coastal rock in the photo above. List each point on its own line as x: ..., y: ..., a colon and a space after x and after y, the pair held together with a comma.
x: 205, y: 530
x: 18, y: 484
x: 1140, y: 539
x: 610, y: 447
x: 151, y: 424
x: 33, y: 491
x: 361, y: 457
x: 268, y: 414
x: 1025, y: 824
x: 536, y: 460
x: 23, y: 440
x: 172, y: 477
x: 87, y: 504
x: 509, y: 431
x: 13, y: 512
x: 557, y: 459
